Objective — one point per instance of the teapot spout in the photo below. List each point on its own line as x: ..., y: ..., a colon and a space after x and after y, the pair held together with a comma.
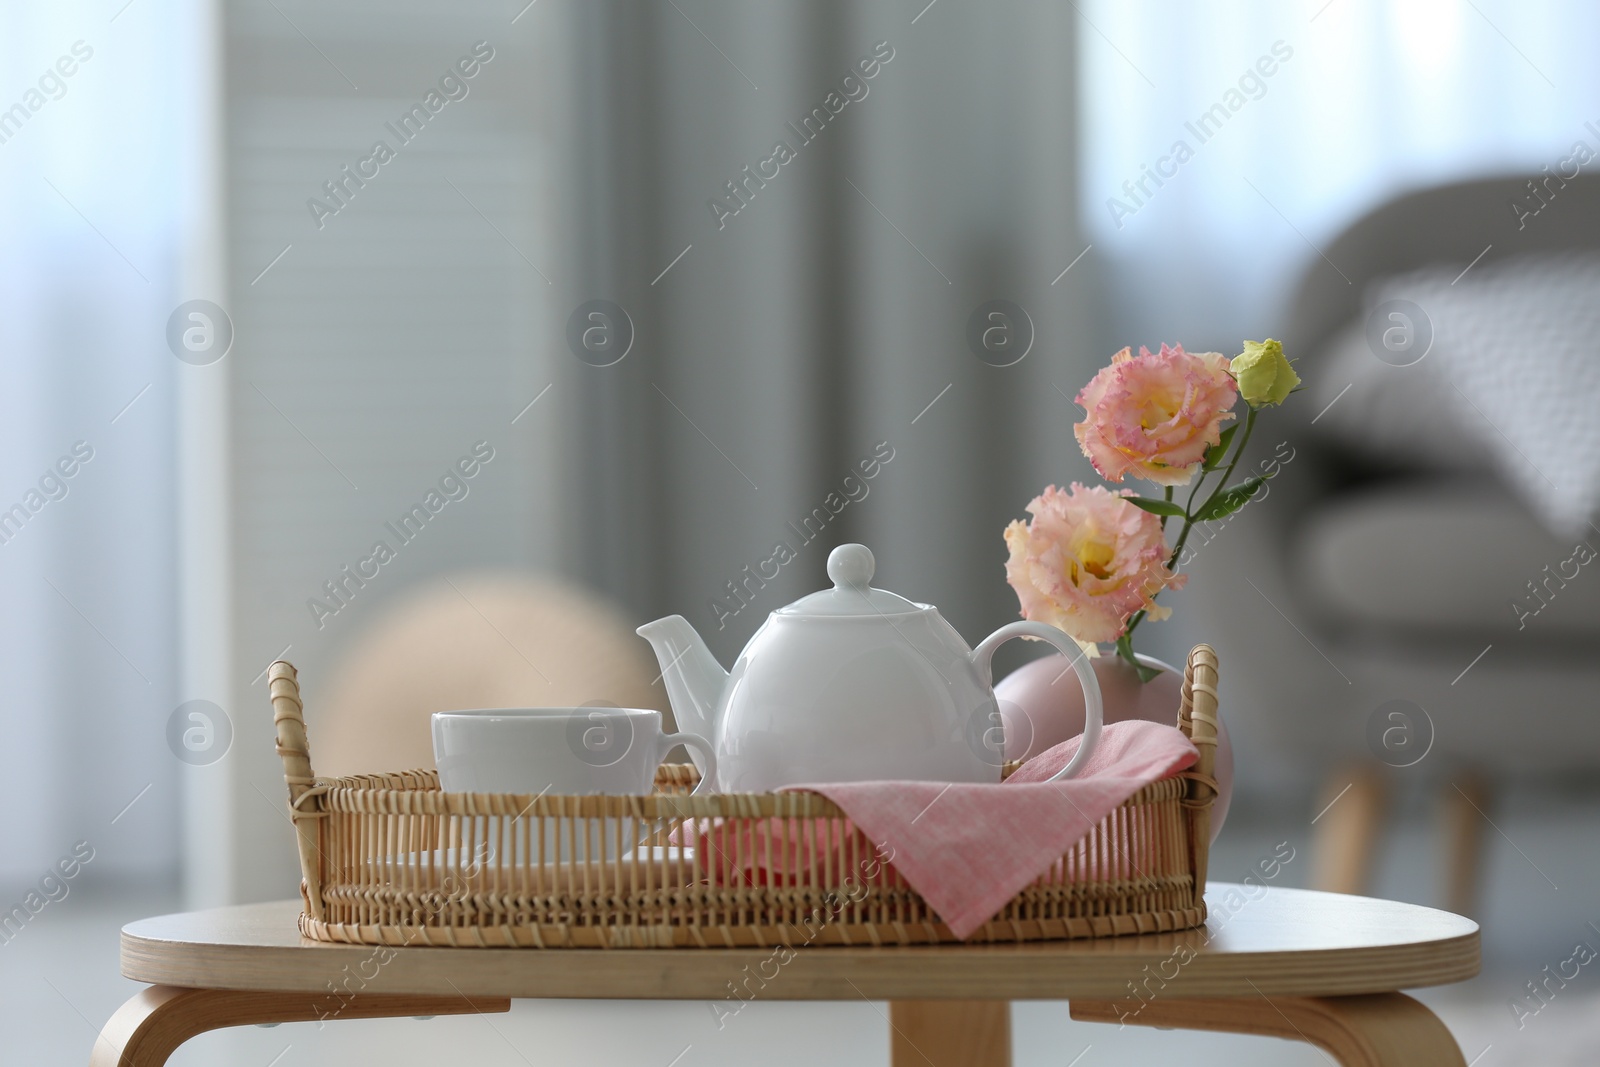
x: 694, y: 678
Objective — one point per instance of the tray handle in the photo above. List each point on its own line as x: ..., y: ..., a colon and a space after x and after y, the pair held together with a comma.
x: 305, y: 792
x: 1197, y: 717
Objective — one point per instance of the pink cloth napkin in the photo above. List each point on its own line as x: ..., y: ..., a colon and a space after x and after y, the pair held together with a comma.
x: 968, y: 849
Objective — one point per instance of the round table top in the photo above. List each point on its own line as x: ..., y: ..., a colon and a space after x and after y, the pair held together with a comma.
x: 1259, y: 940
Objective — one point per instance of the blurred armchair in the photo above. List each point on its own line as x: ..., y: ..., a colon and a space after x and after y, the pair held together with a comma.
x: 1384, y: 575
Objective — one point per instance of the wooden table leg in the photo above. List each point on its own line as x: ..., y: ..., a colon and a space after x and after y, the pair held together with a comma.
x: 1344, y: 848
x: 950, y: 1033
x: 1378, y: 1030
x: 1461, y: 834
x: 156, y: 1020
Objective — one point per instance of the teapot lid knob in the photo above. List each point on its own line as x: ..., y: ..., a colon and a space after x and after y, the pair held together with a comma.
x: 851, y: 566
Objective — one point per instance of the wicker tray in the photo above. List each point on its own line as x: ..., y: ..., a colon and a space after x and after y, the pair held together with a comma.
x: 390, y: 859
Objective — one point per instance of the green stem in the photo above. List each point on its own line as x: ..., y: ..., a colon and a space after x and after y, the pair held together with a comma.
x: 1134, y: 620
x: 1188, y: 521
x: 1125, y: 645
x: 1168, y: 499
x: 1124, y: 649
x: 1188, y: 505
x: 1244, y: 439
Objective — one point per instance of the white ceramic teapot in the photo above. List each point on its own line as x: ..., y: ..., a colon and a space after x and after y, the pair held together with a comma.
x: 851, y: 684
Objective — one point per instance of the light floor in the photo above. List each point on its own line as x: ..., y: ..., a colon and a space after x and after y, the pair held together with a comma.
x: 59, y: 981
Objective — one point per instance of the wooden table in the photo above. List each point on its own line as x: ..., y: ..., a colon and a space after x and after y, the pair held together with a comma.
x: 1316, y: 967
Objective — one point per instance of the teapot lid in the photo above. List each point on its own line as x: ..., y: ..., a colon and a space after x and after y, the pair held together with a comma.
x: 850, y: 568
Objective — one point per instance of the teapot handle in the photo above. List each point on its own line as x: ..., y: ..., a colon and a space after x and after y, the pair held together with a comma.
x: 1092, y: 712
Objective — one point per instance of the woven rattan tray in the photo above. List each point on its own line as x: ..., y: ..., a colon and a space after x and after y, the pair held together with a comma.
x: 391, y: 859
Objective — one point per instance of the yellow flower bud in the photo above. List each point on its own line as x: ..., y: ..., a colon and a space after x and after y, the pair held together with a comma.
x: 1263, y: 374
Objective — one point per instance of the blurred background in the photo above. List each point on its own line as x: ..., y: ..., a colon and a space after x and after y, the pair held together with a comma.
x: 258, y: 343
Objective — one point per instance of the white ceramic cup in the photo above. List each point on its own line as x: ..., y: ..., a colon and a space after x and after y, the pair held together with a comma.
x: 563, y: 751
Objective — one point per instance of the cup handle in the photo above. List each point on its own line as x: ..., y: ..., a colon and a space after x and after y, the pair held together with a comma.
x: 1092, y: 711
x: 695, y: 741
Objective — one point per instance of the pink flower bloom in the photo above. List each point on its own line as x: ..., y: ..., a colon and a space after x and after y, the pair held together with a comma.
x: 1154, y: 415
x: 1087, y: 560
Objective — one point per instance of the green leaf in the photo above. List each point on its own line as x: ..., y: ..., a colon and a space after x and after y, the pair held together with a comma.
x: 1229, y: 500
x: 1215, y: 454
x: 1125, y: 650
x: 1158, y: 507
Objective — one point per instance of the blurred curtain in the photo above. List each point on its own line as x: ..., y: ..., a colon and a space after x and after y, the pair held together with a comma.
x: 825, y: 323
x: 88, y: 277
x: 377, y: 346
x: 1373, y: 98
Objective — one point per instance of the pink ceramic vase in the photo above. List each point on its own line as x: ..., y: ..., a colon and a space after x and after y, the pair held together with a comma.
x: 1041, y: 705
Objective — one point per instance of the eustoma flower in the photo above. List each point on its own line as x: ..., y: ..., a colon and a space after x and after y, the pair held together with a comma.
x: 1086, y: 561
x: 1092, y: 562
x: 1155, y: 414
